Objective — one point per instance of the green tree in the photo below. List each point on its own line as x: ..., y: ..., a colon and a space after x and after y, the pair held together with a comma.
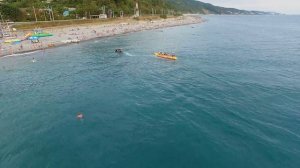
x: 11, y: 12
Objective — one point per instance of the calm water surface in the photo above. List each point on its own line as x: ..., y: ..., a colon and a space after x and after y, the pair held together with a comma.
x: 231, y: 100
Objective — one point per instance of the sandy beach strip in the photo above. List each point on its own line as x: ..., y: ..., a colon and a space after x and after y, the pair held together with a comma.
x: 74, y: 34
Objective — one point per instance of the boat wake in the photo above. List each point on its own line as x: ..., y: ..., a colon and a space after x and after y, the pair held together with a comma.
x: 128, y: 54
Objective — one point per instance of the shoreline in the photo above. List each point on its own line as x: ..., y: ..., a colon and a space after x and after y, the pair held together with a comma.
x: 67, y: 35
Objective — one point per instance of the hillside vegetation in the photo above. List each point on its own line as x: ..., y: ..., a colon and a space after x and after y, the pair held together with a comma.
x: 193, y: 6
x: 22, y: 10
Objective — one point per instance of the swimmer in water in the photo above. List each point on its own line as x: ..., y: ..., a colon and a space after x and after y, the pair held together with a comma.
x: 33, y: 60
x: 80, y: 116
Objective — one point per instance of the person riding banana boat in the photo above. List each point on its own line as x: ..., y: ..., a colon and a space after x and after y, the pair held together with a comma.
x: 165, y: 55
x: 119, y: 50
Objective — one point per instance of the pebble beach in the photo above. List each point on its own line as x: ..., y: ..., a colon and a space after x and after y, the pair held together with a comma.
x: 75, y: 34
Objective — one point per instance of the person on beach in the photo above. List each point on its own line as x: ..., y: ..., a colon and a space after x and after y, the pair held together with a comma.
x: 80, y: 116
x: 11, y: 50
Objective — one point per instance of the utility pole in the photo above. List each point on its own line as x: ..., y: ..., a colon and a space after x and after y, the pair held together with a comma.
x: 50, y: 16
x: 121, y: 14
x: 34, y: 13
x: 103, y: 9
x: 1, y: 25
x: 110, y: 13
x: 45, y: 15
x: 136, y: 10
x: 52, y: 13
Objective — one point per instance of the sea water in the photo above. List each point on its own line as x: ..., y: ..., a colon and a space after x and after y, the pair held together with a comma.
x: 232, y: 99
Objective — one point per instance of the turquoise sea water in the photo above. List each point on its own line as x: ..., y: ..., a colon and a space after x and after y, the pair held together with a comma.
x: 232, y: 99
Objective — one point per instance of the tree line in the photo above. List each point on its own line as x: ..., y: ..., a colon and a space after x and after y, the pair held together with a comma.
x: 26, y: 10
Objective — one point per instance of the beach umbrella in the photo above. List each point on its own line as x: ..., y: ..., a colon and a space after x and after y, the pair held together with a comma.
x: 33, y: 38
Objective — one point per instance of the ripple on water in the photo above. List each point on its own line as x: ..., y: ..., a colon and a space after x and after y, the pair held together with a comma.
x: 228, y: 99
